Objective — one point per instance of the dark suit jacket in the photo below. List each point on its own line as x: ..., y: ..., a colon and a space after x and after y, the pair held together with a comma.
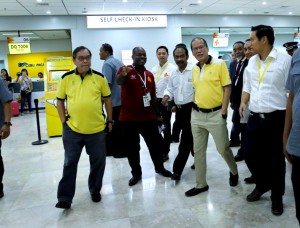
x: 236, y: 86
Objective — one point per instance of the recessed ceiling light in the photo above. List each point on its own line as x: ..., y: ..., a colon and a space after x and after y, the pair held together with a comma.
x: 124, y: 0
x: 290, y: 13
x: 264, y: 3
x: 39, y: 0
x: 48, y: 12
x: 199, y: 1
x: 240, y: 12
x: 183, y: 11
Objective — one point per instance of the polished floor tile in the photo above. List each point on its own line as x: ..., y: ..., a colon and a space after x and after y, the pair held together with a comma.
x: 32, y: 174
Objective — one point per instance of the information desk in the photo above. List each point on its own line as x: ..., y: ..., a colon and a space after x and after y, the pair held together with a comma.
x: 37, y: 93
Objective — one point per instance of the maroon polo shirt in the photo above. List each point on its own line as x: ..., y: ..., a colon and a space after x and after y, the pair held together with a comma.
x: 132, y: 92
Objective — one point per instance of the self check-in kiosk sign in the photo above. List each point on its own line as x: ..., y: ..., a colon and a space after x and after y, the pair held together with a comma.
x: 127, y: 21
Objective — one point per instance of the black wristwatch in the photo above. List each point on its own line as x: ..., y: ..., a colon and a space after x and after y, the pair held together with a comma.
x: 7, y: 123
x: 110, y: 121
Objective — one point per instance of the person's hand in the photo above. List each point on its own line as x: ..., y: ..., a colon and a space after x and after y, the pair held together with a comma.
x: 173, y: 109
x: 241, y: 109
x: 165, y: 100
x: 5, y: 131
x: 125, y: 70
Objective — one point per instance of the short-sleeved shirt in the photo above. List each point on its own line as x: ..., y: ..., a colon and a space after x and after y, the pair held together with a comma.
x: 209, y: 81
x: 270, y: 93
x: 110, y: 67
x: 161, y: 76
x: 5, y: 96
x: 132, y: 92
x: 84, y: 100
x: 293, y: 85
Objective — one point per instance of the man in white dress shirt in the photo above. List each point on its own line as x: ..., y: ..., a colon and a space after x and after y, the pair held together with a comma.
x: 162, y: 72
x: 264, y: 89
x: 181, y: 89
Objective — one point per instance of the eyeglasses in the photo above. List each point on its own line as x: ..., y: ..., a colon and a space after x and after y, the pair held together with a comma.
x: 81, y: 58
x: 200, y: 48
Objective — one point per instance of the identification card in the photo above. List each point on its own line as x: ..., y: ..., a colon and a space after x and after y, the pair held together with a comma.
x: 149, y: 96
x: 146, y: 101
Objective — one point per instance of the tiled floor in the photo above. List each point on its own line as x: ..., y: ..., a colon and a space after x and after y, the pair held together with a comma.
x: 32, y: 174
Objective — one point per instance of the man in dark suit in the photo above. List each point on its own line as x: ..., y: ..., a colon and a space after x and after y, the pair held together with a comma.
x: 236, y: 74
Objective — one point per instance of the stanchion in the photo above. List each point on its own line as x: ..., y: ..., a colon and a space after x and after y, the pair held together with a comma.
x: 40, y: 141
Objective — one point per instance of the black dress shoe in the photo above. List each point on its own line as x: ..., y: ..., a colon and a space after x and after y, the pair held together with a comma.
x: 196, y: 191
x: 238, y: 158
x: 250, y: 180
x: 96, y: 197
x: 255, y: 195
x: 165, y: 157
x: 234, y: 143
x: 1, y: 194
x: 193, y: 166
x: 277, y: 207
x: 134, y: 180
x: 175, y: 176
x: 233, y: 179
x: 164, y: 172
x: 63, y: 205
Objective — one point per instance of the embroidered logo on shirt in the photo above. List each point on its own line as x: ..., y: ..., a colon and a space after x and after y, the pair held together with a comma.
x: 166, y: 75
x: 149, y: 79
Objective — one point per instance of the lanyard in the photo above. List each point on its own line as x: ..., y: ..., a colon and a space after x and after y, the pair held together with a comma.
x: 144, y: 83
x: 261, y: 77
x: 160, y: 70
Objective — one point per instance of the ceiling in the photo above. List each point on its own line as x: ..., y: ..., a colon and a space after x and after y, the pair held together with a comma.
x: 105, y: 7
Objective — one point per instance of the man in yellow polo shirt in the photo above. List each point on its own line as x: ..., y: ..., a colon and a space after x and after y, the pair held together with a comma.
x: 211, y: 83
x: 83, y: 121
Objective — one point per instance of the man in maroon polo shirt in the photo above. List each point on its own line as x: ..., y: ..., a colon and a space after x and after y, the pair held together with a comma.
x: 139, y: 114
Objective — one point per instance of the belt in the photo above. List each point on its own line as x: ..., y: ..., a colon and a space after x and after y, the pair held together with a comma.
x: 265, y: 115
x: 206, y: 110
x: 184, y: 105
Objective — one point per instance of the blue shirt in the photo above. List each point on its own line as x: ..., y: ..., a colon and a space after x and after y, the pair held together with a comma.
x: 110, y: 67
x: 5, y: 96
x: 293, y: 85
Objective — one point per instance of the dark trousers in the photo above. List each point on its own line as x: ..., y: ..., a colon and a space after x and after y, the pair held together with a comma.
x: 264, y: 151
x: 114, y: 139
x: 176, y: 129
x: 149, y: 131
x: 73, y: 145
x: 25, y: 97
x: 236, y: 126
x: 166, y: 115
x: 296, y: 183
x: 1, y: 169
x: 186, y: 141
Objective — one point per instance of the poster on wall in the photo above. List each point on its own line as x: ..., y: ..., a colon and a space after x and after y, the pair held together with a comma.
x: 18, y: 45
x: 220, y: 39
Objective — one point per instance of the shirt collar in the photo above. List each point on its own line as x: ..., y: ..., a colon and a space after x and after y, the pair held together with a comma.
x: 207, y: 62
x: 90, y: 71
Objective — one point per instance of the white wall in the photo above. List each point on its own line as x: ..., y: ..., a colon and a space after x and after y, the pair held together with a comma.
x: 149, y: 38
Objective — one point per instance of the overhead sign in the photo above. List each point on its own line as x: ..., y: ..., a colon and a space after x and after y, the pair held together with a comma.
x: 127, y: 21
x: 18, y: 39
x: 220, y: 39
x: 18, y: 45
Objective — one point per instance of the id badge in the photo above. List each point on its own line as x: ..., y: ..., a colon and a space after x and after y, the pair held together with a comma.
x: 146, y: 101
x: 149, y: 96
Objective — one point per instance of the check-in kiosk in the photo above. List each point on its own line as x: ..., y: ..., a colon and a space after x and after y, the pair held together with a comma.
x: 55, y: 68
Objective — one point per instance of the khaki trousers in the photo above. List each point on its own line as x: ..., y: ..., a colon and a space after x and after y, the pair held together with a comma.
x: 203, y: 124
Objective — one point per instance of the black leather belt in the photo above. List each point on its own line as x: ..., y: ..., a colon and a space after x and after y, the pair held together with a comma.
x: 206, y: 110
x: 184, y: 105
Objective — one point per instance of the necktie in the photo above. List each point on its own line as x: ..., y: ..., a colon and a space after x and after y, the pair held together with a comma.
x: 237, y: 72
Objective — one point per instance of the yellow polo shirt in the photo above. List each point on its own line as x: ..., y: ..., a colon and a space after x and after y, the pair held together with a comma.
x: 84, y: 100
x: 209, y: 82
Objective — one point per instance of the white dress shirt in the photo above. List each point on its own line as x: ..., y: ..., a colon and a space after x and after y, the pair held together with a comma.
x: 180, y: 86
x: 161, y: 76
x: 270, y: 94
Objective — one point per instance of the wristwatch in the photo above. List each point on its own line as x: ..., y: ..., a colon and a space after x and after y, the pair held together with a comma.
x: 7, y: 123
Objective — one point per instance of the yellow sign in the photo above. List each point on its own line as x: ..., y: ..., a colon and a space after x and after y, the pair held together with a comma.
x: 19, y: 48
x: 34, y: 62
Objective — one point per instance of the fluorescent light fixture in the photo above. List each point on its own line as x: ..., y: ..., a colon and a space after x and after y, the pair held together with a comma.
x: 16, y: 34
x: 214, y: 29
